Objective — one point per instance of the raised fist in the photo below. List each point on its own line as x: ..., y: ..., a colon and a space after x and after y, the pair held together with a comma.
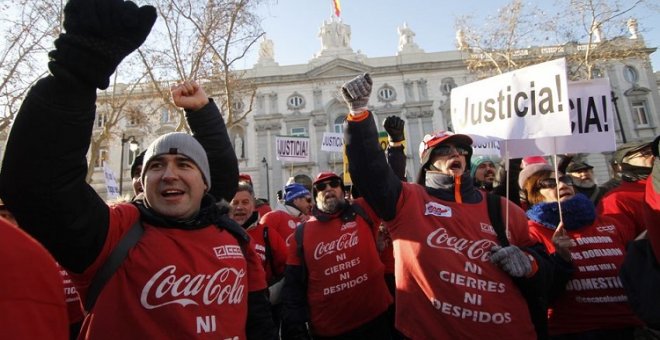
x: 356, y: 93
x: 99, y: 35
x: 394, y: 127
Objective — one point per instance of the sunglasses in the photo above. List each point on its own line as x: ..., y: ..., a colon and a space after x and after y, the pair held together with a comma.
x: 334, y: 183
x: 551, y: 183
x: 448, y: 149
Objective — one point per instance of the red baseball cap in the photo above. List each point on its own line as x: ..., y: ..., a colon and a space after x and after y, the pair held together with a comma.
x: 434, y: 139
x: 245, y: 178
x: 324, y: 176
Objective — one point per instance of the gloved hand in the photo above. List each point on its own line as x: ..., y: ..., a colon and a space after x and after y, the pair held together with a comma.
x: 512, y: 260
x: 394, y: 127
x: 356, y: 93
x: 99, y: 35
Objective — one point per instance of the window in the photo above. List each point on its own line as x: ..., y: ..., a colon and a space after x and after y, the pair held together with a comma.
x: 299, y: 132
x: 237, y: 106
x: 102, y: 156
x: 639, y: 113
x: 295, y: 102
x: 165, y: 116
x: 597, y: 73
x: 630, y: 74
x: 339, y: 124
x: 387, y: 93
x: 101, y: 119
x: 132, y: 154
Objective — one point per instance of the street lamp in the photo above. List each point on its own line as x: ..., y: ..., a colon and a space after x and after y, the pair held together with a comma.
x: 133, y: 146
x: 265, y: 163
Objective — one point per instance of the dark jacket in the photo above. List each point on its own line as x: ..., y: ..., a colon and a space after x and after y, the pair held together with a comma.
x: 43, y: 176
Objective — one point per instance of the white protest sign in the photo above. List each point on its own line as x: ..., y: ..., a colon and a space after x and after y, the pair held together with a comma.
x: 484, y: 146
x: 332, y: 142
x: 110, y: 183
x: 592, y: 123
x: 521, y: 104
x: 292, y: 149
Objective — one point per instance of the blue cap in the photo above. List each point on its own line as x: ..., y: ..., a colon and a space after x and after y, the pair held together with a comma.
x: 293, y: 191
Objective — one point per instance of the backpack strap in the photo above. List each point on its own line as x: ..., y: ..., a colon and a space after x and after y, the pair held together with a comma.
x: 299, y: 235
x: 494, y: 204
x: 358, y: 210
x: 112, y: 263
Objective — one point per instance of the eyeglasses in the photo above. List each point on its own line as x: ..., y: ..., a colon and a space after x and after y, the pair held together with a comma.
x: 448, y: 149
x: 551, y: 183
x: 334, y: 183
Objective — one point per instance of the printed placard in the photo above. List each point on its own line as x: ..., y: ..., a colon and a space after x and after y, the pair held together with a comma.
x: 292, y: 149
x: 521, y: 104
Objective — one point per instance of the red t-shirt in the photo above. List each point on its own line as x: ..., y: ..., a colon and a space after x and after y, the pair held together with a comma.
x: 594, y: 296
x: 31, y: 292
x: 446, y: 285
x: 282, y: 222
x: 278, y: 249
x: 174, y: 283
x: 74, y: 307
x: 626, y: 203
x: 346, y: 286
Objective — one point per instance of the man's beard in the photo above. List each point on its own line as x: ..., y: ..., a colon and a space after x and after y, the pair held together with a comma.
x: 331, y: 205
x: 583, y: 183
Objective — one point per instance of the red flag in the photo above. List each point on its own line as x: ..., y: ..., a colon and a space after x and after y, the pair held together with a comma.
x: 337, y: 7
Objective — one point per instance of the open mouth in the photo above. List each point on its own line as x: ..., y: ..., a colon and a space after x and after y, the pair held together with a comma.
x: 455, y: 165
x: 171, y: 193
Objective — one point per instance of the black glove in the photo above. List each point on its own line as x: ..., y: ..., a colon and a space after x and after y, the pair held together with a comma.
x: 394, y: 127
x: 356, y: 93
x: 655, y: 146
x: 99, y: 35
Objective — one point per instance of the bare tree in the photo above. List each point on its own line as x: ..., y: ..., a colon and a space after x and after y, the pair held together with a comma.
x: 521, y: 35
x: 204, y: 40
x: 29, y: 27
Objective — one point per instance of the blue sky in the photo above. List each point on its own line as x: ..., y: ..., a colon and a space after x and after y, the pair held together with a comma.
x: 293, y: 25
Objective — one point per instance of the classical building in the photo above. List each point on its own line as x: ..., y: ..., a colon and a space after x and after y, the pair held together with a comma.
x: 304, y: 100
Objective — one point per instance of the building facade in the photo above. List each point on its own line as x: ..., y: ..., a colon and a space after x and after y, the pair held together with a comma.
x: 304, y: 100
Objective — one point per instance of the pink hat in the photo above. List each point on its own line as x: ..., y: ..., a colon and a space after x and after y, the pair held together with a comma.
x: 532, y: 165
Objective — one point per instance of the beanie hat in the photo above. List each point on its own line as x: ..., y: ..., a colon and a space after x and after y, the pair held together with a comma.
x: 532, y: 165
x: 137, y: 161
x: 179, y: 143
x: 478, y: 160
x: 293, y: 191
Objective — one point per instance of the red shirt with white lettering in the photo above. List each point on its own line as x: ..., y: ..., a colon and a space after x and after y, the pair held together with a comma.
x: 283, y: 222
x: 174, y: 284
x: 446, y: 286
x: 74, y: 307
x: 346, y: 286
x: 626, y: 203
x: 273, y: 267
x: 594, y: 296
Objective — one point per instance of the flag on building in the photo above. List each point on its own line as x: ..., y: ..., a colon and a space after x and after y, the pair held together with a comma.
x: 337, y: 6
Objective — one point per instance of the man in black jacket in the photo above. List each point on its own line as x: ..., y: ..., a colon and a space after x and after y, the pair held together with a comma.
x: 184, y: 233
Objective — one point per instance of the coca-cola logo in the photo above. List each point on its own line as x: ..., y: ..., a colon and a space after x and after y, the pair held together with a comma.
x: 345, y: 241
x: 472, y: 249
x: 437, y: 209
x: 166, y: 288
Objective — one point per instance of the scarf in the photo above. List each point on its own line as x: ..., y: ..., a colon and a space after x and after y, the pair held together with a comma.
x: 577, y: 211
x: 443, y: 187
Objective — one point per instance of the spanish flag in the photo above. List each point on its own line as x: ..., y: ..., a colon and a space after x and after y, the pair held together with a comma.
x: 337, y: 7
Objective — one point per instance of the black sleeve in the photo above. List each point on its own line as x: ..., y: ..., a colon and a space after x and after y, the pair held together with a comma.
x: 43, y: 172
x: 295, y: 309
x: 260, y: 325
x: 369, y: 170
x: 396, y: 158
x: 209, y: 129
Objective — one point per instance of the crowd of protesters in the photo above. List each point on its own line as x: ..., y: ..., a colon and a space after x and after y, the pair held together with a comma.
x: 463, y: 252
